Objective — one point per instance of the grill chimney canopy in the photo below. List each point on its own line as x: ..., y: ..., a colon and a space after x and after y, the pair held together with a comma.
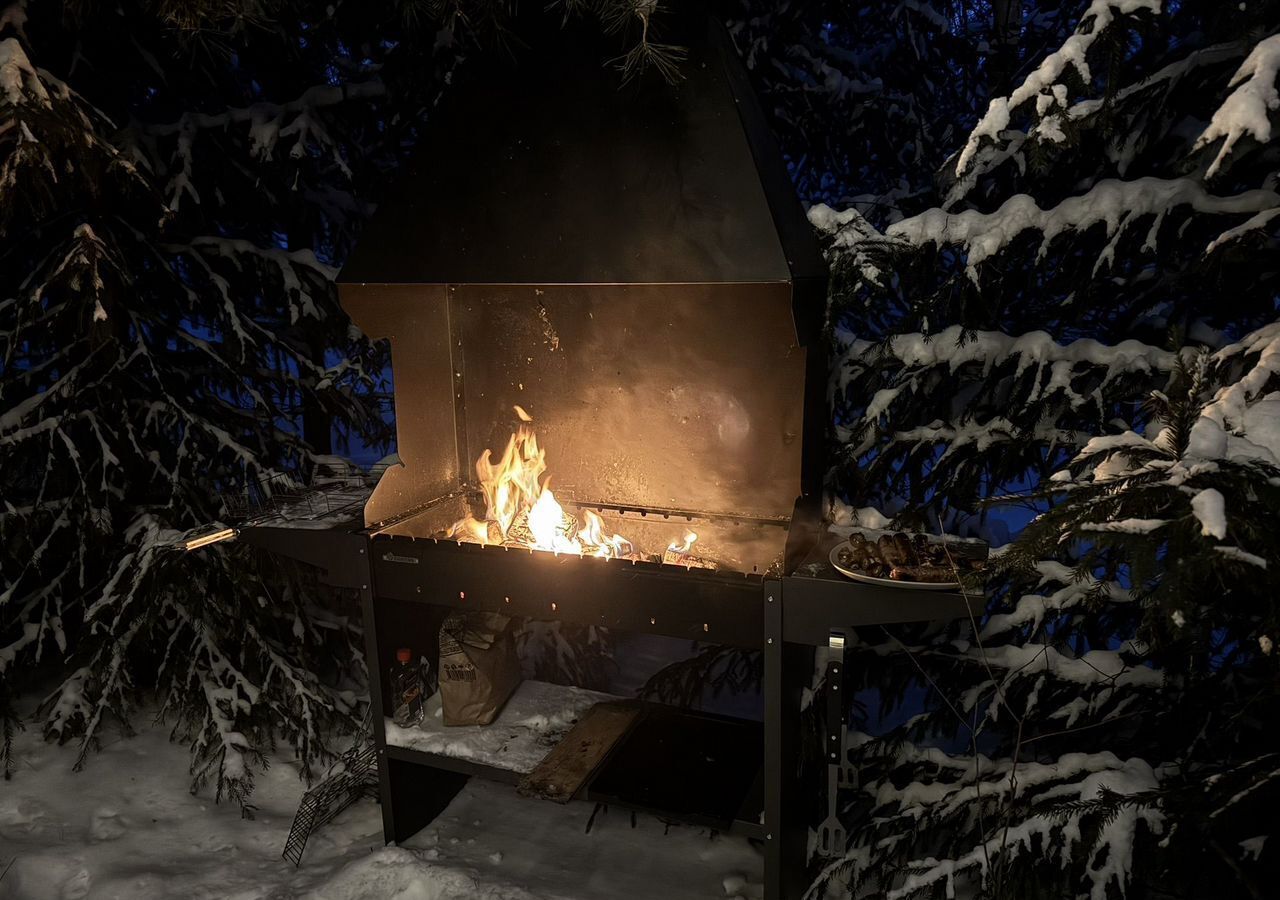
x: 541, y: 168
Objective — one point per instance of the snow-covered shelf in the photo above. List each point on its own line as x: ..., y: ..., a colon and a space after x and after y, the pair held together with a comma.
x: 534, y: 720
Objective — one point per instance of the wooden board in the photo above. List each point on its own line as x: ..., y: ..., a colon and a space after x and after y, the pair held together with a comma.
x: 564, y: 770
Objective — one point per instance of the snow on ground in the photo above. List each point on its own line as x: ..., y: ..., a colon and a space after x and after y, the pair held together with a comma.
x: 542, y: 847
x: 127, y: 827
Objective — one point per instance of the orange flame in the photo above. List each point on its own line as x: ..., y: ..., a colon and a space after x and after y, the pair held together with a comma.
x: 521, y: 508
x: 512, y: 484
x: 689, y: 538
x: 593, y: 534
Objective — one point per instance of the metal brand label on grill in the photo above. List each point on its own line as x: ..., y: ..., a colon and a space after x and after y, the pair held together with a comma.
x: 392, y: 557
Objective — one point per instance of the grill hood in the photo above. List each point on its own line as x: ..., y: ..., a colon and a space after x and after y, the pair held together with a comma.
x: 540, y: 168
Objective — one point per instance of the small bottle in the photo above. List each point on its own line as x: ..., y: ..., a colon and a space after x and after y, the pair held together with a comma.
x: 406, y: 690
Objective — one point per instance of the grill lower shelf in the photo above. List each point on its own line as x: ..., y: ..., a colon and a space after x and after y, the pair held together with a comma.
x: 534, y: 720
x: 682, y: 765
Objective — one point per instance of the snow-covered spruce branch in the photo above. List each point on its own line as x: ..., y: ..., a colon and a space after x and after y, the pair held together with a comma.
x: 994, y: 673
x: 220, y: 753
x: 1023, y: 388
x: 35, y: 94
x: 1116, y: 204
x: 1185, y: 511
x: 994, y: 822
x: 230, y: 687
x: 1248, y: 110
x: 1087, y: 117
x: 67, y: 714
x: 1217, y: 421
x: 956, y: 785
x: 1071, y: 589
x: 1090, y: 220
x: 1028, y: 810
x: 1037, y: 352
x: 1245, y: 111
x: 1247, y: 404
x: 1045, y: 85
x: 229, y: 712
x: 568, y: 654
x: 980, y: 435
x: 286, y: 266
x: 264, y: 118
x: 153, y: 368
x: 857, y: 248
x: 267, y: 125
x: 285, y: 260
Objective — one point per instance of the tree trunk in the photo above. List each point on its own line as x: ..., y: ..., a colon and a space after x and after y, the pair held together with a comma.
x: 1006, y: 28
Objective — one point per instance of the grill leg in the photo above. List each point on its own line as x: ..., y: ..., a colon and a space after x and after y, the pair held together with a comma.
x: 412, y: 795
x: 787, y: 669
x: 374, y: 668
x: 831, y: 834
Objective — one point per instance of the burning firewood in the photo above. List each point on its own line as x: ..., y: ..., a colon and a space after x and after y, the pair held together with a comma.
x: 521, y: 511
x: 679, y: 555
x: 688, y: 560
x: 521, y: 533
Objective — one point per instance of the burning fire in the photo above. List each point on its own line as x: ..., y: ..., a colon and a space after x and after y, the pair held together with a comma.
x: 521, y: 509
x: 689, y: 538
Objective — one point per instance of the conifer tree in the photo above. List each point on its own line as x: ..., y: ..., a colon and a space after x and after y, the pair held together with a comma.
x: 179, y: 182
x: 166, y: 305
x: 1083, y: 327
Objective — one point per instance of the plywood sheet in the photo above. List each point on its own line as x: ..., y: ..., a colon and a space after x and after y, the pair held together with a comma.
x: 564, y: 770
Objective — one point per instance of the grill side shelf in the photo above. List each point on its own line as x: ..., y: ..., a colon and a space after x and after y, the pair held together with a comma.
x: 339, y: 553
x: 814, y: 605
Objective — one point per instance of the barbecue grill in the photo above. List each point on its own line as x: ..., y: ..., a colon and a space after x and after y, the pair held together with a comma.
x: 629, y: 269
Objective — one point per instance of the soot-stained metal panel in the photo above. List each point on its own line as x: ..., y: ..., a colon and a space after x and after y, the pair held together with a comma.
x: 661, y: 396
x: 416, y: 320
x: 543, y: 166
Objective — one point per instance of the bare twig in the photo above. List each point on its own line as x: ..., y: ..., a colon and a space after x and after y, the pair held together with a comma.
x: 973, y: 745
x: 1074, y: 729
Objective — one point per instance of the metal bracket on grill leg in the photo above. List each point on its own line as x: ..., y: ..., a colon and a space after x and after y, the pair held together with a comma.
x: 831, y: 833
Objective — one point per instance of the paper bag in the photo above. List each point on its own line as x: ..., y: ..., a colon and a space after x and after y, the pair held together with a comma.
x: 479, y: 668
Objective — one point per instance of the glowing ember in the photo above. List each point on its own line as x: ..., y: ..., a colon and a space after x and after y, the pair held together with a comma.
x: 521, y: 509
x: 680, y: 555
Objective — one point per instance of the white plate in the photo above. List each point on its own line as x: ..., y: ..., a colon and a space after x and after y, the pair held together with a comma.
x: 886, y: 582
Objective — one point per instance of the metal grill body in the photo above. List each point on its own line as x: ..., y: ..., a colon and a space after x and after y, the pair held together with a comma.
x: 632, y: 268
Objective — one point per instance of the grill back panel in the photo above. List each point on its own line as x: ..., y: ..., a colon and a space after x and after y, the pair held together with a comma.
x: 652, y: 396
